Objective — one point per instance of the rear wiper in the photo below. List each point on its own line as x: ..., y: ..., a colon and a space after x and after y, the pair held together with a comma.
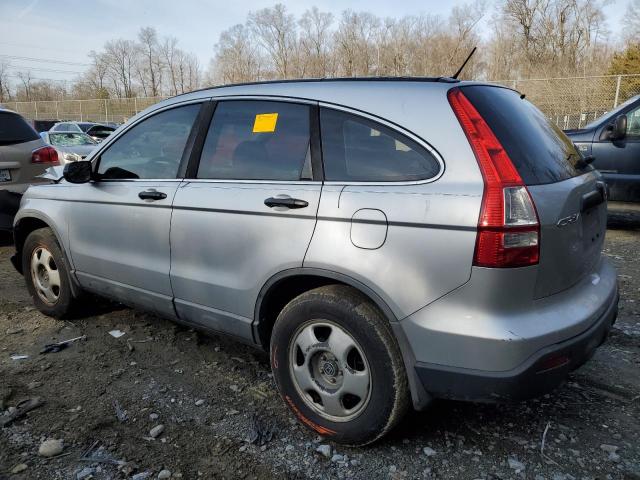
x: 582, y: 162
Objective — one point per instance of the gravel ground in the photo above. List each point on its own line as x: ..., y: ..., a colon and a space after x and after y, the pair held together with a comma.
x: 221, y: 417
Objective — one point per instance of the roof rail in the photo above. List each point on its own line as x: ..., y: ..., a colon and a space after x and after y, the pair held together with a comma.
x: 335, y: 79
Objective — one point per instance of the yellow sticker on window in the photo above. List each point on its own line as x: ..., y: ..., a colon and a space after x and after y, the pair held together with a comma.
x: 265, y: 123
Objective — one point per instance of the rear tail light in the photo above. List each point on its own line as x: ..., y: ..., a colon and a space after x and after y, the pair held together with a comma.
x: 508, y: 228
x: 45, y: 155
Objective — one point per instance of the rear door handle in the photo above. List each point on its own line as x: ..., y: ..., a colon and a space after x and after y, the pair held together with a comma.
x: 152, y: 195
x: 287, y: 202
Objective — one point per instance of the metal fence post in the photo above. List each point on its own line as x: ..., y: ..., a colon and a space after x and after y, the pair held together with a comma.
x: 80, y: 102
x: 615, y: 102
x: 106, y: 114
x: 57, y: 110
x: 35, y: 106
x: 135, y: 105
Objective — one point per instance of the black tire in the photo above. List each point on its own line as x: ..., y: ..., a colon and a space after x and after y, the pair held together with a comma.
x: 357, y: 316
x: 44, y: 238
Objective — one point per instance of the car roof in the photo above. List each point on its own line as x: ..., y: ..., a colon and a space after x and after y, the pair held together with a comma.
x: 384, y: 97
x: 6, y: 110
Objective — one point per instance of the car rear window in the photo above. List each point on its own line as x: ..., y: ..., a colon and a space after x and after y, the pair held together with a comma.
x: 361, y: 150
x: 14, y: 129
x: 537, y: 147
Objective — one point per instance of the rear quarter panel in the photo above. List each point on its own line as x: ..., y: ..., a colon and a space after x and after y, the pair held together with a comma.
x: 430, y: 226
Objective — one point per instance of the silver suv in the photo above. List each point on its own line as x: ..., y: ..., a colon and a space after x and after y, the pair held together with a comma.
x: 388, y: 241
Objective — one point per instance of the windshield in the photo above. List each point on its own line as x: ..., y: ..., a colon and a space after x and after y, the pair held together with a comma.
x: 66, y: 127
x: 70, y: 139
x: 612, y: 113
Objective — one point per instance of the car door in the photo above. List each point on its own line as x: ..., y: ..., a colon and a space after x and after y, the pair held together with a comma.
x: 247, y: 211
x: 619, y: 160
x: 119, y: 223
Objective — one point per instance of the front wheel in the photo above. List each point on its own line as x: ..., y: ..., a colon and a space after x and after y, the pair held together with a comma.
x: 46, y: 274
x: 338, y: 366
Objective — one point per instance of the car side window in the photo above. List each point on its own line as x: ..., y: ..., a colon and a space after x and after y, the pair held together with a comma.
x: 257, y: 140
x: 358, y: 149
x: 152, y: 149
x: 633, y: 123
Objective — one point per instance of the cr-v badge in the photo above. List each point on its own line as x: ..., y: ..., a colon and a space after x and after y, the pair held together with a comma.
x: 563, y: 222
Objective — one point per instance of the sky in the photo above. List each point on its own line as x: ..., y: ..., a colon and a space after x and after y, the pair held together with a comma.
x: 52, y: 38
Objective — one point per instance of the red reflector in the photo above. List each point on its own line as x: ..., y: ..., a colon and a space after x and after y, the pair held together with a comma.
x: 498, y: 244
x: 553, y: 362
x: 45, y: 155
x: 491, y: 251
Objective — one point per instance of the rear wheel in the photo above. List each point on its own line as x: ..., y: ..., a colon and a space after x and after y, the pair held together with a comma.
x: 338, y: 366
x: 46, y: 274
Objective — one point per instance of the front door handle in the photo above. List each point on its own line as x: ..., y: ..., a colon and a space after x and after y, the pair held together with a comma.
x: 152, y: 195
x: 287, y: 202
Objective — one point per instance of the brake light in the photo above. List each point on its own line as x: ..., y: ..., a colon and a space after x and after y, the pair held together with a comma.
x: 508, y: 227
x: 45, y: 155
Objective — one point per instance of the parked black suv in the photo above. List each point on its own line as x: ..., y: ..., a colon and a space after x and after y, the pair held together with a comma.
x: 614, y: 142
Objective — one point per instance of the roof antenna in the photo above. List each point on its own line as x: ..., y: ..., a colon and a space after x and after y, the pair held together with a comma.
x: 455, y: 76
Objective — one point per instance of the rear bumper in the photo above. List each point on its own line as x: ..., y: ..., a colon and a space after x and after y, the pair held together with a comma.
x: 489, y: 340
x: 541, y: 373
x: 9, y: 205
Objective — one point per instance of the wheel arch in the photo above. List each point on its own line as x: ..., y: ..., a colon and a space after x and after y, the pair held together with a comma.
x: 29, y: 222
x: 284, y: 286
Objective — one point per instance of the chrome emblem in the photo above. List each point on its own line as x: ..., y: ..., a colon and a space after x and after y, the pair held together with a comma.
x: 563, y: 222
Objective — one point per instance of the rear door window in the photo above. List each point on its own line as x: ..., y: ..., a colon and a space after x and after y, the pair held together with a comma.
x: 257, y: 140
x: 539, y: 150
x: 358, y: 149
x: 14, y: 129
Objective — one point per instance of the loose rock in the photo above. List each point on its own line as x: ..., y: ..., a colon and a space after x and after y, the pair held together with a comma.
x: 85, y: 473
x: 324, y: 450
x: 428, y: 451
x: 164, y: 474
x: 609, y: 448
x: 50, y: 448
x: 199, y: 402
x: 156, y: 431
x: 516, y: 465
x: 141, y: 476
x: 21, y: 467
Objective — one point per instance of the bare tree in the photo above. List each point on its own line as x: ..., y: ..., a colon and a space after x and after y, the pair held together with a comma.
x: 5, y: 92
x: 120, y: 57
x: 315, y: 43
x: 555, y: 37
x: 150, y: 65
x: 275, y: 29
x: 355, y: 43
x: 631, y: 23
x: 236, y: 57
x: 26, y: 81
x: 170, y: 53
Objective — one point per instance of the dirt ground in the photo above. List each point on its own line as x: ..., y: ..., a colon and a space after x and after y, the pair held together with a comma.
x: 214, y: 397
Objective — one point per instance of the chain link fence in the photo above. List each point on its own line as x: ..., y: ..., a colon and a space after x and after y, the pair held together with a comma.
x: 117, y: 110
x: 569, y: 102
x: 575, y: 102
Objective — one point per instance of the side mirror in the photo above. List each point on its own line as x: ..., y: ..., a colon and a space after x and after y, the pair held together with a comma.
x: 78, y: 172
x: 619, y: 130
